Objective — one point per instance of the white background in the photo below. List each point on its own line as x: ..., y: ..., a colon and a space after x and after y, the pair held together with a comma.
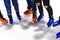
x: 17, y: 33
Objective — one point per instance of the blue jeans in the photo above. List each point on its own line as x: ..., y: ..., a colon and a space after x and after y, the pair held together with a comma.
x: 8, y: 5
x: 31, y: 4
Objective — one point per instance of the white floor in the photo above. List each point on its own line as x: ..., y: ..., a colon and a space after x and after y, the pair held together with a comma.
x: 24, y: 31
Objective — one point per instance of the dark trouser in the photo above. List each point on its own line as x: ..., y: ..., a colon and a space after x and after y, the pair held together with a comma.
x: 8, y: 5
x: 46, y: 3
x: 1, y: 16
x: 29, y: 4
x: 40, y: 6
x: 34, y: 9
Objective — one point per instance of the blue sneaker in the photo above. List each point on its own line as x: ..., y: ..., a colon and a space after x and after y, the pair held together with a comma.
x: 56, y: 23
x: 11, y: 21
x: 18, y: 16
x: 40, y: 17
x: 58, y: 35
x: 50, y: 22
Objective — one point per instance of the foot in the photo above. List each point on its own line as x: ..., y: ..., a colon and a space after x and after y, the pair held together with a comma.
x: 19, y: 17
x: 28, y: 12
x: 40, y: 17
x: 56, y: 23
x: 4, y: 20
x: 58, y: 35
x: 10, y: 19
x: 50, y: 22
x: 34, y: 20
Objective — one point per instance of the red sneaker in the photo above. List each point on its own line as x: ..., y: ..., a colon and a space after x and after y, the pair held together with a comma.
x: 28, y: 12
x: 3, y: 20
x: 34, y: 20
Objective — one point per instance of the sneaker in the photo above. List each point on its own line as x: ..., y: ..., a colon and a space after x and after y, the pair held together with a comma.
x: 3, y: 20
x: 28, y: 12
x: 40, y: 17
x: 34, y: 19
x: 50, y: 22
x: 58, y: 35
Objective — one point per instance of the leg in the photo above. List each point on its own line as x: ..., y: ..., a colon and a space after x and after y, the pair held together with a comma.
x: 39, y: 4
x: 34, y: 18
x: 29, y: 4
x: 2, y: 19
x: 15, y: 4
x: 50, y: 12
x: 8, y: 8
x: 29, y: 11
